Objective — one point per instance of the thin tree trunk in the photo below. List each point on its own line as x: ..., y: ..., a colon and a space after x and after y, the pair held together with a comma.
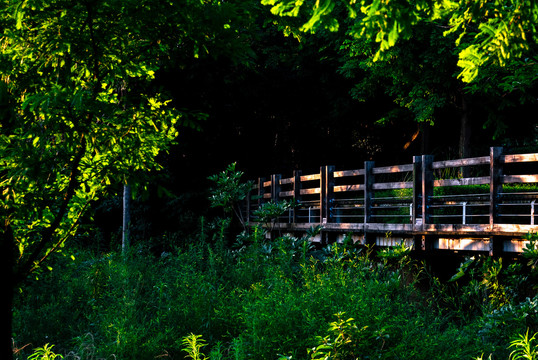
x: 465, y: 137
x: 8, y: 291
x: 125, y: 241
x: 425, y: 147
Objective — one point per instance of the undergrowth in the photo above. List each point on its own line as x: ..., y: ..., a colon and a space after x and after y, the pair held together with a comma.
x: 251, y: 297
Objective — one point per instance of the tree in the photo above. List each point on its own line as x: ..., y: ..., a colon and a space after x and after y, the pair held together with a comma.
x: 488, y: 32
x: 412, y: 51
x: 80, y: 112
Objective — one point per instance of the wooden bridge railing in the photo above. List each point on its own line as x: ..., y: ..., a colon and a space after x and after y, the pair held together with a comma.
x: 424, y: 197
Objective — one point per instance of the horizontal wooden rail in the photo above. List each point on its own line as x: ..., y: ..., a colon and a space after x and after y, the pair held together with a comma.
x: 411, y: 199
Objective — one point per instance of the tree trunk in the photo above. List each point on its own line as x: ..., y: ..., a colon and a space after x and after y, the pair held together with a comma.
x: 425, y: 147
x: 7, y: 286
x: 126, y: 219
x: 465, y: 137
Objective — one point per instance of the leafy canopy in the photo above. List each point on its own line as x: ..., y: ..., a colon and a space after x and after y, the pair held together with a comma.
x: 79, y: 109
x: 488, y: 32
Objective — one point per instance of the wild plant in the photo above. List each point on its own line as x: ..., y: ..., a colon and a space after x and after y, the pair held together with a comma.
x: 269, y: 212
x: 525, y: 347
x: 344, y: 340
x: 193, y: 345
x: 530, y: 251
x: 44, y: 353
x: 229, y: 192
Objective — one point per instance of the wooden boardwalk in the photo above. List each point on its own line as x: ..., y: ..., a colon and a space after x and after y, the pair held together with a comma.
x: 423, y: 203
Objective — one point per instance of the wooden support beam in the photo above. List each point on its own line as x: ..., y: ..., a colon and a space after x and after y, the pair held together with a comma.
x: 369, y: 181
x: 296, y: 191
x: 495, y: 185
x: 326, y: 194
x: 416, y: 212
x: 427, y: 188
x: 275, y: 187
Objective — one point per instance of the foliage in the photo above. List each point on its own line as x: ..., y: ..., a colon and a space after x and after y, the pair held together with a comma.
x: 193, y: 345
x: 487, y: 33
x: 83, y: 112
x: 44, y: 353
x: 530, y: 251
x: 269, y: 213
x: 342, y: 342
x: 524, y: 347
x: 264, y: 298
x: 228, y: 191
x: 395, y: 255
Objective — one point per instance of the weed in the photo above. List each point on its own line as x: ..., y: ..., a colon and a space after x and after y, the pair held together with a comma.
x: 44, y: 353
x: 524, y: 347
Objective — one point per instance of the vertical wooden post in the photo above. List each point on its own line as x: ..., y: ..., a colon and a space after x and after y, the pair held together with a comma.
x: 416, y: 206
x: 495, y: 183
x: 275, y: 187
x: 427, y: 188
x: 296, y: 191
x: 416, y: 212
x: 495, y: 189
x: 368, y: 198
x: 368, y: 191
x: 326, y: 193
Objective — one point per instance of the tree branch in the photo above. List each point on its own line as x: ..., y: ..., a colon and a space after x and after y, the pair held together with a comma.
x: 48, y: 233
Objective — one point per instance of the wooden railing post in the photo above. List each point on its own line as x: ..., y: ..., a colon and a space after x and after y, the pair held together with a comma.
x: 326, y: 194
x: 368, y: 191
x: 495, y: 183
x: 416, y: 212
x: 296, y: 191
x: 427, y: 188
x: 275, y: 187
x: 495, y: 190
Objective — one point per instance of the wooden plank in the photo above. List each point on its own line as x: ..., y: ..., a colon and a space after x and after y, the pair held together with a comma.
x: 456, y: 228
x: 393, y: 185
x: 393, y: 169
x: 283, y: 194
x: 518, y: 158
x: 519, y: 179
x: 267, y: 183
x: 310, y: 177
x: 514, y: 228
x: 346, y: 173
x: 344, y: 227
x: 344, y: 188
x: 310, y: 191
x: 482, y: 160
x: 484, y: 180
x: 286, y: 181
x: 380, y: 227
